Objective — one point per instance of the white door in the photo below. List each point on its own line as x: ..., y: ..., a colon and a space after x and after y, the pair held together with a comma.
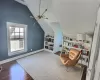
x: 97, y: 67
x: 94, y: 50
x: 94, y: 53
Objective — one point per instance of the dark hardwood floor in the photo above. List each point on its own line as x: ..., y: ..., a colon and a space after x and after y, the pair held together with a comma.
x: 84, y: 73
x: 13, y: 71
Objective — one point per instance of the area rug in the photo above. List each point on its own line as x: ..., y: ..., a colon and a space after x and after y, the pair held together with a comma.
x: 47, y: 66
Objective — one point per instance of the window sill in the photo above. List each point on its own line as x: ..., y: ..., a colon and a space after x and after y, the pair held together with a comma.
x: 16, y: 52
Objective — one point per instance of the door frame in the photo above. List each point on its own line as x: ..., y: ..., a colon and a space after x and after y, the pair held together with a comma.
x: 97, y: 64
x: 94, y: 51
x: 97, y: 67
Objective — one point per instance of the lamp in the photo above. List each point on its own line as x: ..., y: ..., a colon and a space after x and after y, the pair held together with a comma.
x: 81, y: 37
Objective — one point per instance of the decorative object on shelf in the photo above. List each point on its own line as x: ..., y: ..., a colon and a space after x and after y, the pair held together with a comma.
x: 81, y: 37
x: 76, y: 46
x: 70, y: 39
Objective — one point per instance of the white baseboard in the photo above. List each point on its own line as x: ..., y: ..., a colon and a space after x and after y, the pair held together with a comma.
x: 48, y: 50
x: 24, y: 55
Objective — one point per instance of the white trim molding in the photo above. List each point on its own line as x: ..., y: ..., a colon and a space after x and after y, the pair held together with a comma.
x: 21, y: 56
x: 11, y: 24
x: 21, y: 2
x: 48, y: 50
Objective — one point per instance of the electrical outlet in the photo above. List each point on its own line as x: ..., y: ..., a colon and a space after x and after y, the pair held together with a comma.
x: 31, y: 49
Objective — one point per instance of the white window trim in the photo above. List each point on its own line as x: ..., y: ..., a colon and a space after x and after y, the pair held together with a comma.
x: 8, y: 38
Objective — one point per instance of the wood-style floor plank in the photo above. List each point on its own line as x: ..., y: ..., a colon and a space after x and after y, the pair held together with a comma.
x: 13, y: 71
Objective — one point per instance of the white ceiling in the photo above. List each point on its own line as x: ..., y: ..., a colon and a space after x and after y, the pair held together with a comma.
x: 33, y: 6
x: 76, y: 16
x: 46, y: 27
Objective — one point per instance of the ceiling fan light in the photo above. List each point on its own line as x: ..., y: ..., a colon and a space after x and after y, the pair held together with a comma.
x: 46, y: 9
x: 39, y: 16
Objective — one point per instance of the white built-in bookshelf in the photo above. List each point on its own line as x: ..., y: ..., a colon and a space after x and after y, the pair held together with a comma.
x: 83, y: 46
x: 49, y: 42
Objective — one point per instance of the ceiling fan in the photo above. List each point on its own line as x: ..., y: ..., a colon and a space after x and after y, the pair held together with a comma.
x: 40, y: 16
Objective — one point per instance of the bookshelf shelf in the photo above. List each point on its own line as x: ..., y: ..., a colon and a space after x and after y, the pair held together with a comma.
x: 71, y: 43
x: 49, y: 42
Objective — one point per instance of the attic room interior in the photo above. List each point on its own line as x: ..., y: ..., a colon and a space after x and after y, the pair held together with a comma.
x: 49, y: 39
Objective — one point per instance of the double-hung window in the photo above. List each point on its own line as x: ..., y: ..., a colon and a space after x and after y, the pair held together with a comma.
x: 17, y: 38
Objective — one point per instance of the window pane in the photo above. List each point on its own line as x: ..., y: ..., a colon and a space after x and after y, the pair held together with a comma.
x: 17, y: 45
x: 16, y: 35
x: 21, y: 44
x: 21, y: 29
x: 12, y: 29
x: 21, y: 35
x: 12, y: 36
x: 16, y: 29
x: 13, y: 45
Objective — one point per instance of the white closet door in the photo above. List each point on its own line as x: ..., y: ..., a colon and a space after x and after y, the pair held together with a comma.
x: 94, y: 50
x: 94, y: 53
x: 97, y: 68
x: 97, y: 65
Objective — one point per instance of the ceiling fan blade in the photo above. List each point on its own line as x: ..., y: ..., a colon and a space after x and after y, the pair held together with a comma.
x: 44, y: 12
x: 45, y: 17
x: 37, y: 19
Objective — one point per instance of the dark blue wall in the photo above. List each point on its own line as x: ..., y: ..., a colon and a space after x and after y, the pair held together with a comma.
x: 11, y: 11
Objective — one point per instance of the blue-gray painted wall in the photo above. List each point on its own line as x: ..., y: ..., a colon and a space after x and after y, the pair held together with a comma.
x: 11, y: 11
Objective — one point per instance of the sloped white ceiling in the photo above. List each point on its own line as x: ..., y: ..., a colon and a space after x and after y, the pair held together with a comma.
x: 46, y: 27
x: 76, y: 16
x: 33, y: 6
